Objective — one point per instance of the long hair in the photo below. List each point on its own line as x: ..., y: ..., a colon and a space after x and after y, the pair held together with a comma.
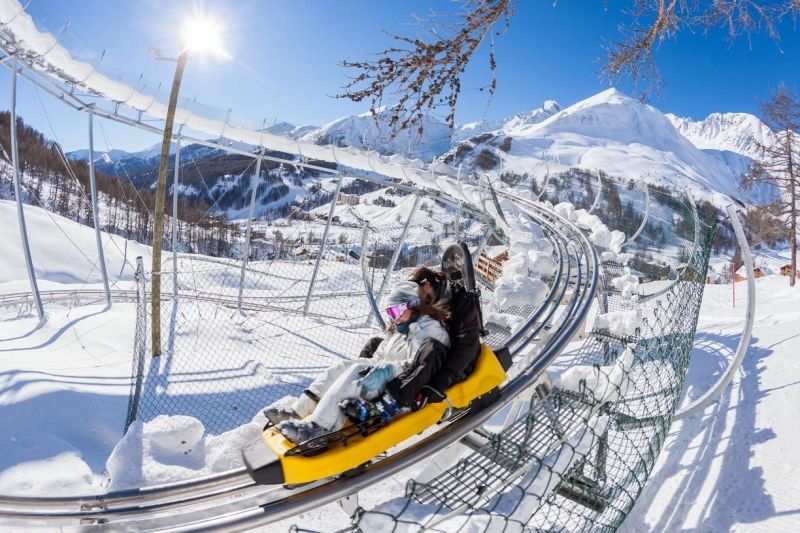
x: 436, y: 279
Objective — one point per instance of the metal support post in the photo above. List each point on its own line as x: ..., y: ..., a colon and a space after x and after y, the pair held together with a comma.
x: 373, y: 305
x: 457, y: 223
x: 254, y: 182
x: 482, y: 244
x: 37, y: 298
x: 140, y: 340
x: 96, y: 211
x: 322, y: 244
x: 175, y: 183
x: 397, y: 250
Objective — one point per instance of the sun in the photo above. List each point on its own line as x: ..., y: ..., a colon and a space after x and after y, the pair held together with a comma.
x: 202, y: 35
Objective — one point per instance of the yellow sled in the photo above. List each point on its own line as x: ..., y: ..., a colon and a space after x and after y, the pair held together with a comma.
x: 273, y: 460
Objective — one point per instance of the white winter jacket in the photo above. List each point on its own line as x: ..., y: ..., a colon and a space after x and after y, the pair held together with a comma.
x: 400, y: 348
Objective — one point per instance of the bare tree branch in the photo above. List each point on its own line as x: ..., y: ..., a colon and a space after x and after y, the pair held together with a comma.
x: 425, y: 74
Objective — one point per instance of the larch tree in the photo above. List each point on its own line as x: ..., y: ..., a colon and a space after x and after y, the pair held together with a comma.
x: 422, y: 74
x: 778, y: 163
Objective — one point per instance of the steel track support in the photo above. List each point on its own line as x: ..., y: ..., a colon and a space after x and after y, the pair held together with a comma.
x: 101, y: 258
x: 322, y: 244
x: 23, y: 230
x: 398, y: 249
x: 254, y: 183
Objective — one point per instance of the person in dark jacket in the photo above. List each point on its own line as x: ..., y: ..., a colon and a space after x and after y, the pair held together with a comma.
x: 436, y: 367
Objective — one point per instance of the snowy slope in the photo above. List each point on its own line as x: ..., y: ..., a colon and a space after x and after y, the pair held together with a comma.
x: 361, y: 131
x: 733, y: 467
x: 63, y: 251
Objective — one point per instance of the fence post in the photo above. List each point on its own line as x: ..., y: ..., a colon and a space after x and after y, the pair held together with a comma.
x: 322, y: 244
x: 95, y: 209
x: 175, y: 183
x: 37, y: 298
x: 139, y: 343
x: 254, y: 183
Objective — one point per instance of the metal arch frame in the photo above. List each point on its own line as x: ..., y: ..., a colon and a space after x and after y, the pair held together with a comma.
x: 744, y: 341
x: 641, y: 227
x: 58, y: 92
x: 254, y: 183
x: 599, y: 194
x: 175, y: 182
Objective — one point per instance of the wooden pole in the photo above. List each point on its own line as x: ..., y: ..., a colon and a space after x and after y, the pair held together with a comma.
x: 158, y: 213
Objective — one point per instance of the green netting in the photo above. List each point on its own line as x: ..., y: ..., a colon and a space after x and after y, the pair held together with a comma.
x: 579, y: 456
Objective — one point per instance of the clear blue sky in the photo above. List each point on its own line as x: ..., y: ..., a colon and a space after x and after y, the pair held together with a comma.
x: 285, y: 54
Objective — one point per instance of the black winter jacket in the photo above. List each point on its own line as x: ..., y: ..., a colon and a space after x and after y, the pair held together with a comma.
x: 435, y: 365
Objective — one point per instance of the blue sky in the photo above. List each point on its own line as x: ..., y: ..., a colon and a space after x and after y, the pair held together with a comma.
x: 285, y: 54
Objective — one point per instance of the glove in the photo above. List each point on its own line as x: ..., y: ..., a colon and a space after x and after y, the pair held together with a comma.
x: 372, y: 383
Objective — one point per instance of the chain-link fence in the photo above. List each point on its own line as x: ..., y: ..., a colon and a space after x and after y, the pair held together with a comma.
x: 579, y: 456
x: 302, y: 308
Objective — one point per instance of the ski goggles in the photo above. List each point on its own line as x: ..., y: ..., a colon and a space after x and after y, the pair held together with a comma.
x: 395, y: 311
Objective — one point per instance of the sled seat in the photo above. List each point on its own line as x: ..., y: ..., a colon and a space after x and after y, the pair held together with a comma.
x: 271, y: 460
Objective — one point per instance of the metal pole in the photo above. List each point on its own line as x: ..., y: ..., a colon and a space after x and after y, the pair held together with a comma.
x: 373, y: 305
x: 175, y: 183
x: 254, y: 182
x: 18, y: 194
x: 398, y: 248
x: 644, y: 219
x: 482, y: 244
x: 96, y: 211
x: 139, y: 342
x: 322, y: 244
x: 158, y: 213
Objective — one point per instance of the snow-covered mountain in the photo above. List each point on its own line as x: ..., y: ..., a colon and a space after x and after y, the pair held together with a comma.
x: 733, y: 132
x: 611, y: 132
x: 608, y: 131
x: 363, y: 131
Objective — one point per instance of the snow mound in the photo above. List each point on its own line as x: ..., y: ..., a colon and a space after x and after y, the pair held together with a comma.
x: 605, y: 383
x: 174, y: 448
x: 620, y: 323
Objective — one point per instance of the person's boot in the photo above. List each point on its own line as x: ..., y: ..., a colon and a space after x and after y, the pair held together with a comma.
x: 290, y: 408
x: 360, y: 410
x: 299, y: 432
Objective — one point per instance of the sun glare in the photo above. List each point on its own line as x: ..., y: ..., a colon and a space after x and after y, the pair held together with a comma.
x: 202, y: 35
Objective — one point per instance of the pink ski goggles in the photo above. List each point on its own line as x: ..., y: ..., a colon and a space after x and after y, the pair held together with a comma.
x: 395, y: 311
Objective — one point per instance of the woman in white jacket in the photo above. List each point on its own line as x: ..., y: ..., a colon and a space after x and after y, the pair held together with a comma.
x: 413, y: 323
